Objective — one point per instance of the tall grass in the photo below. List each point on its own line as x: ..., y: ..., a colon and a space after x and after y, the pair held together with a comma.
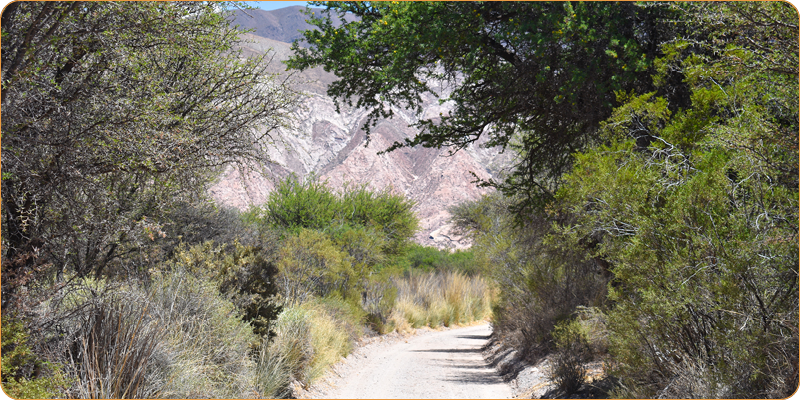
x: 442, y: 298
x: 175, y: 337
x: 115, y: 350
x: 207, y: 347
x: 309, y: 338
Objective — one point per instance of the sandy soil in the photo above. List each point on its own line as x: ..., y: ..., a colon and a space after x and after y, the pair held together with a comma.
x: 429, y: 365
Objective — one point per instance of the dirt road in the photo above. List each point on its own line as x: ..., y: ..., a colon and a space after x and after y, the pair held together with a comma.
x: 434, y: 365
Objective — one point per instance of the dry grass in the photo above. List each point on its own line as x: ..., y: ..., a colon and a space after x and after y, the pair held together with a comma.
x: 309, y: 338
x: 176, y: 337
x: 115, y: 351
x: 437, y: 299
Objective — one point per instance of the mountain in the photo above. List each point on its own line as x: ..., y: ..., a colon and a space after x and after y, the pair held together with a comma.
x: 333, y: 145
x: 282, y: 24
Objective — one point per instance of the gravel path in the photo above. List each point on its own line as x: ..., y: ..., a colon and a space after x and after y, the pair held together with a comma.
x: 432, y: 365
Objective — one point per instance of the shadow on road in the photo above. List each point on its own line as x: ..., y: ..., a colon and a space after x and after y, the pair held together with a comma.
x: 478, y: 350
x: 477, y: 337
x: 476, y: 377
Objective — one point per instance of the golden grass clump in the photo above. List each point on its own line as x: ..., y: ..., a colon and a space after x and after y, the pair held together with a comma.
x: 441, y: 298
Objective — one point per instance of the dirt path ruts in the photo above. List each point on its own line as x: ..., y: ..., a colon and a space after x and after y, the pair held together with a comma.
x: 435, y: 365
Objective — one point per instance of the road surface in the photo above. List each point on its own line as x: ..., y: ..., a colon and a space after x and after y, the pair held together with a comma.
x: 435, y: 365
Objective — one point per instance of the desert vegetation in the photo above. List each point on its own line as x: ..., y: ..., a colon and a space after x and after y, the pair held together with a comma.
x: 649, y: 220
x: 121, y: 278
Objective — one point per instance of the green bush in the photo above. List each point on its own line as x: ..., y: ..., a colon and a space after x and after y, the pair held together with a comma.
x: 696, y: 210
x: 572, y: 352
x: 310, y: 264
x: 310, y: 204
x: 25, y: 375
x: 297, y: 204
x: 543, y: 276
x: 247, y: 274
x: 430, y: 259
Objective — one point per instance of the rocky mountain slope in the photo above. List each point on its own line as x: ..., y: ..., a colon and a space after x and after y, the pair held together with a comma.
x: 332, y: 145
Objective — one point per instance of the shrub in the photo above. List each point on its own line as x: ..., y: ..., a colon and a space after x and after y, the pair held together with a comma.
x: 309, y: 263
x: 567, y: 368
x: 297, y: 204
x: 246, y: 274
x: 429, y: 259
x: 378, y: 300
x: 543, y: 276
x: 310, y: 204
x: 25, y: 375
x: 273, y: 373
x: 445, y: 298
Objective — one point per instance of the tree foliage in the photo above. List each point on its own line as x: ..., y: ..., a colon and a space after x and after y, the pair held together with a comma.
x: 688, y: 205
x: 111, y: 112
x: 542, y: 71
x: 700, y: 220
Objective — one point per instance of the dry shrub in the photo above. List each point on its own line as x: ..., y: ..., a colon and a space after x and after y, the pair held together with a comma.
x: 114, y: 353
x: 446, y: 298
x: 309, y: 338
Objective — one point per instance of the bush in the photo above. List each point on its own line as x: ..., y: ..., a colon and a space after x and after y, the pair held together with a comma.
x: 567, y: 368
x: 543, y: 276
x: 24, y: 374
x: 446, y: 298
x: 246, y: 274
x: 296, y: 204
x: 429, y: 259
x: 378, y: 299
x: 273, y: 373
x: 310, y: 204
x: 309, y: 263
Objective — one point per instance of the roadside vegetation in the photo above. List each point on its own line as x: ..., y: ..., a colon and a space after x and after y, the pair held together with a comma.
x: 650, y: 219
x: 121, y: 279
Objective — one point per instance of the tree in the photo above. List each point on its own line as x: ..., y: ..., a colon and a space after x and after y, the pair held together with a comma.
x: 543, y: 72
x: 111, y: 112
x: 699, y: 222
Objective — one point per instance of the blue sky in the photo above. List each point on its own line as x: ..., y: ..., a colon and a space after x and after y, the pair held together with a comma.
x: 274, y: 5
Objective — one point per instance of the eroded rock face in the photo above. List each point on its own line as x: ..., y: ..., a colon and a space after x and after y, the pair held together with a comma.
x: 332, y: 145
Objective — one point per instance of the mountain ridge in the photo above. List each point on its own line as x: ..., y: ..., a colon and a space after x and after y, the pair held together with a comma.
x: 333, y: 145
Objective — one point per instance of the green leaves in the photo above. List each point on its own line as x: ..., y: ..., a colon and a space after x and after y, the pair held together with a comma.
x: 546, y: 71
x: 311, y: 204
x: 689, y: 218
x: 347, y: 236
x: 116, y: 111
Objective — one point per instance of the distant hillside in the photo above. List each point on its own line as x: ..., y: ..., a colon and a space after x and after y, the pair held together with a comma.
x: 332, y: 144
x: 283, y: 24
